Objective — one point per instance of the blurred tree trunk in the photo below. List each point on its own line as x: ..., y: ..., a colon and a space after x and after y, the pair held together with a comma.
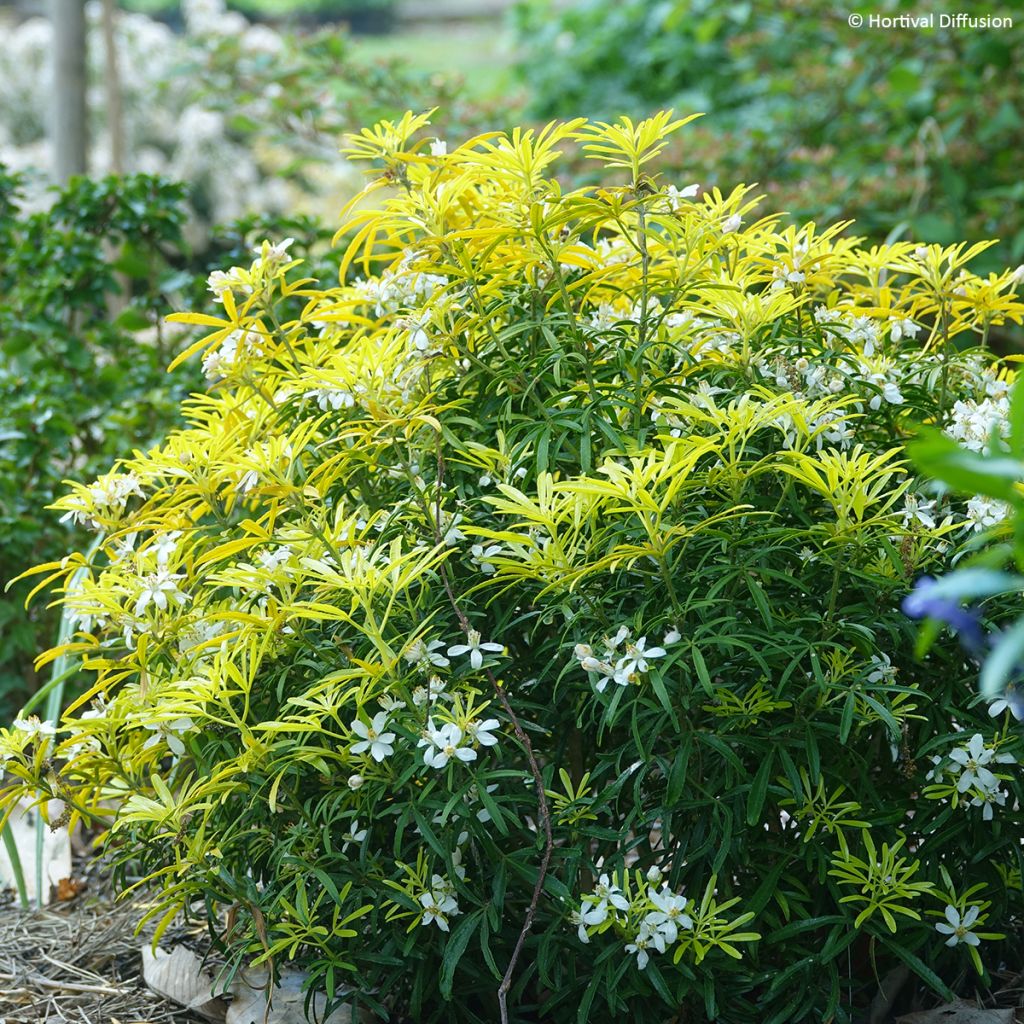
x: 115, y: 106
x: 67, y: 121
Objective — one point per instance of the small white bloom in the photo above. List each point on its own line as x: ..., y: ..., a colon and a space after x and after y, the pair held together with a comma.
x: 958, y: 928
x: 476, y: 649
x: 444, y: 745
x: 439, y: 148
x: 354, y: 835
x: 355, y: 782
x: 731, y: 223
x: 972, y: 761
x: 483, y: 732
x: 373, y: 737
x: 159, y: 589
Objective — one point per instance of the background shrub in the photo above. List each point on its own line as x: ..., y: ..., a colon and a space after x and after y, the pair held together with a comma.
x: 83, y: 356
x: 552, y: 570
x: 906, y: 131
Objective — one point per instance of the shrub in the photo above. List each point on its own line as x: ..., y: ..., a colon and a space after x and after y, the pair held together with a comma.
x: 83, y: 359
x: 542, y: 586
x: 903, y: 129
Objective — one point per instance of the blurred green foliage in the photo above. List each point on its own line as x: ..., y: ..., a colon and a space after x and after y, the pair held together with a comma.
x: 83, y: 354
x: 906, y: 131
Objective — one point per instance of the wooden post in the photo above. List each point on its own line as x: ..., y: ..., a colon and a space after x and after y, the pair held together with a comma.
x: 68, y: 110
x: 115, y: 106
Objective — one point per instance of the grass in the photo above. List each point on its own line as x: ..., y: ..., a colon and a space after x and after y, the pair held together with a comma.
x: 478, y: 52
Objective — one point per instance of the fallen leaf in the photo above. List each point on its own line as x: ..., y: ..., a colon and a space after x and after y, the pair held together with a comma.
x: 249, y: 1001
x: 958, y: 1013
x: 179, y: 977
x: 69, y: 888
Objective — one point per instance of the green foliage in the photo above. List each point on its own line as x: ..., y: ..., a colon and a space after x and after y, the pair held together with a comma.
x: 901, y: 129
x: 83, y: 356
x: 550, y: 572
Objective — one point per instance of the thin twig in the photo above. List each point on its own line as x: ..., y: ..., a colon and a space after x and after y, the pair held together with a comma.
x: 538, y: 780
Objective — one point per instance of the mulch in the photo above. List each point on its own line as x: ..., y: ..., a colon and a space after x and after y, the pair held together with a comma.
x: 78, y: 961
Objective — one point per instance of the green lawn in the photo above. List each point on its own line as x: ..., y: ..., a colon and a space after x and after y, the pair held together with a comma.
x: 478, y: 51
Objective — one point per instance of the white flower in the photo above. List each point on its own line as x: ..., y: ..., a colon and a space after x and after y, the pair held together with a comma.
x: 35, y: 726
x: 984, y: 513
x: 972, y: 760
x: 439, y: 148
x: 444, y: 744
x: 354, y: 835
x: 328, y: 398
x: 731, y: 223
x: 577, y: 921
x: 426, y: 654
x: 673, y: 636
x: 882, y: 669
x: 1007, y: 702
x: 676, y: 195
x: 958, y: 928
x: 438, y: 905
x: 355, y: 782
x: 635, y: 661
x: 164, y: 546
x: 432, y: 692
x: 989, y: 799
x: 159, y: 589
x: 274, y: 253
x: 605, y: 671
x: 374, y: 738
x: 475, y: 649
x: 452, y: 533
x: 607, y: 893
x: 483, y: 732
x: 654, y: 874
x: 902, y: 328
x: 482, y: 555
x: 169, y: 733
x: 670, y: 914
x: 917, y: 508
x: 646, y: 939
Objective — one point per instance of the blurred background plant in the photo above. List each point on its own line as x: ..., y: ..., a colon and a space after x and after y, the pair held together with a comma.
x: 247, y: 115
x: 908, y: 132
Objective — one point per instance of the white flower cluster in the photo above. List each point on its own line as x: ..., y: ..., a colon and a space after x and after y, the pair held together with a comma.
x: 457, y: 737
x: 106, y: 497
x: 971, y: 775
x: 653, y: 919
x: 439, y: 903
x: 621, y: 660
x: 401, y: 288
x: 973, y: 424
x: 231, y: 355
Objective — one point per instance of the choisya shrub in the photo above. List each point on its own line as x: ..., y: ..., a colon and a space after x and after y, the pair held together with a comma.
x: 549, y: 574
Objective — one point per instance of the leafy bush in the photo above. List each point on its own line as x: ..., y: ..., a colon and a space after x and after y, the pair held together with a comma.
x: 82, y: 369
x: 883, y: 126
x: 542, y: 586
x: 83, y: 354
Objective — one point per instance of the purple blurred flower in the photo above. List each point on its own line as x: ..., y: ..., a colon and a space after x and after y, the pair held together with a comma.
x: 923, y: 603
